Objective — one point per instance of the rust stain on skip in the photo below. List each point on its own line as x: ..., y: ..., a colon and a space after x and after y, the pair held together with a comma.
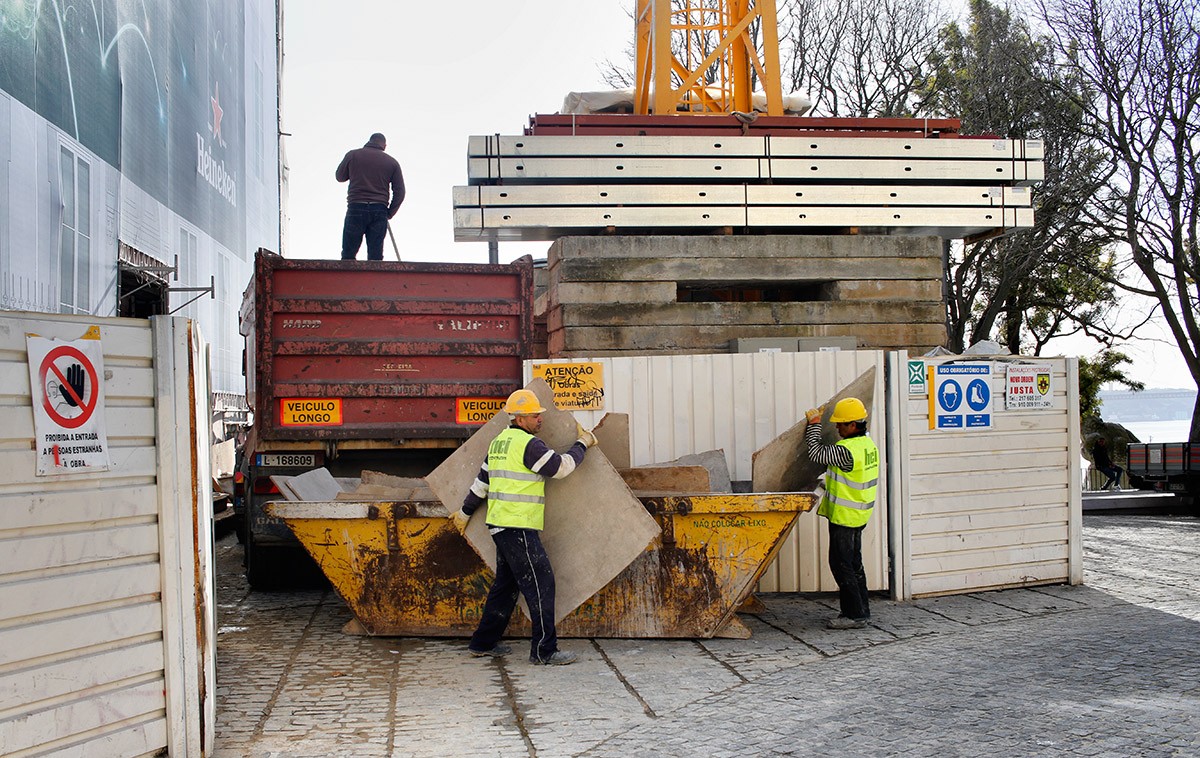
x: 404, y: 570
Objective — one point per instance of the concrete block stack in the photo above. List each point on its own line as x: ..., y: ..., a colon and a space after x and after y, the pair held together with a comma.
x: 686, y: 234
x: 688, y: 294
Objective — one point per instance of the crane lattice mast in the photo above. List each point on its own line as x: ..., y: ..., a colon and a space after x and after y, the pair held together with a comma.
x: 698, y: 56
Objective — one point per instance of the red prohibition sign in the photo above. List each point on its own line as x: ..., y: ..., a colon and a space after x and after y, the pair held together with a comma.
x: 86, y: 408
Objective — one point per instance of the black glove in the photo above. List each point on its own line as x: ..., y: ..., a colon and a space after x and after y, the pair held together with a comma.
x: 76, y: 380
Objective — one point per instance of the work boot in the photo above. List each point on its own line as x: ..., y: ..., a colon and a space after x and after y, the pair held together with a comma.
x: 496, y: 652
x: 557, y: 658
x: 841, y: 622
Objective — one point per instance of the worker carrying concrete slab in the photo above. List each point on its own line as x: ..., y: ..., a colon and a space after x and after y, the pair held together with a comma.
x: 850, y: 483
x: 512, y: 481
x: 370, y: 172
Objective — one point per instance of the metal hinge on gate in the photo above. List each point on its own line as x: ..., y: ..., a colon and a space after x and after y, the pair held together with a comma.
x: 211, y: 289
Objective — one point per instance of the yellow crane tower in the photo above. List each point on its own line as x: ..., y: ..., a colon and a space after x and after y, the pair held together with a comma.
x: 712, y: 60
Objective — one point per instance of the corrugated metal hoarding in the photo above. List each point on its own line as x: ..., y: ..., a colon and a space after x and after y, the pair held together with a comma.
x: 738, y: 403
x: 989, y: 495
x: 107, y: 634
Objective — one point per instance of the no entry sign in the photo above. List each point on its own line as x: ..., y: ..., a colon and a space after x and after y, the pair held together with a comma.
x: 65, y: 379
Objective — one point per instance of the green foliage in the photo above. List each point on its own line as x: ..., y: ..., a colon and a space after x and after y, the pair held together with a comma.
x: 1037, y: 284
x: 1095, y: 372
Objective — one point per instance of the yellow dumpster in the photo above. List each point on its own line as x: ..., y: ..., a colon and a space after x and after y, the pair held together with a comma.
x: 404, y: 570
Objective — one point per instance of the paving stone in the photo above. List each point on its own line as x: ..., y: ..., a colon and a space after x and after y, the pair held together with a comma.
x: 1105, y: 669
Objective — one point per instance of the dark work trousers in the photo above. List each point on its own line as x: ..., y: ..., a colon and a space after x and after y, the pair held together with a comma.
x: 364, y: 219
x: 521, y: 566
x: 1113, y: 472
x: 845, y: 561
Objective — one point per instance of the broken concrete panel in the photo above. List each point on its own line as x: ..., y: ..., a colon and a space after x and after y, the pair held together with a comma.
x: 281, y: 483
x: 316, y: 485
x: 412, y: 487
x: 656, y: 479
x: 713, y: 461
x: 594, y: 526
x: 783, y: 465
x: 612, y: 437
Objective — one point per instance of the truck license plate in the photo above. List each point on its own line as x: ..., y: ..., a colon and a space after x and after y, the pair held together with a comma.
x: 287, y: 459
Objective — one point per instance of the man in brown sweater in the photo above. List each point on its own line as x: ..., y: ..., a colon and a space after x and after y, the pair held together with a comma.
x: 370, y: 172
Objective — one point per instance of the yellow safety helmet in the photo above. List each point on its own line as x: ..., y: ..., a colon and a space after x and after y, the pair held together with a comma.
x: 848, y: 409
x: 523, y: 403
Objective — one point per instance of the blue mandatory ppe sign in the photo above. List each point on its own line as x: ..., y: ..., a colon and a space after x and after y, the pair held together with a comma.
x: 963, y: 395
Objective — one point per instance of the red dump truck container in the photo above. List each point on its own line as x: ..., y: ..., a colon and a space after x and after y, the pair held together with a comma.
x: 369, y: 364
x: 1167, y: 467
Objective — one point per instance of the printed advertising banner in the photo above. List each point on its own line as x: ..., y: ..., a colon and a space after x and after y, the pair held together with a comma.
x: 153, y: 88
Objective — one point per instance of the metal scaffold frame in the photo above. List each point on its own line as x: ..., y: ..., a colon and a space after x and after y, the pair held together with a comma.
x: 697, y: 56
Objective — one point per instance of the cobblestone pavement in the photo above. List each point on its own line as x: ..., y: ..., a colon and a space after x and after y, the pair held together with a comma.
x: 1111, y: 668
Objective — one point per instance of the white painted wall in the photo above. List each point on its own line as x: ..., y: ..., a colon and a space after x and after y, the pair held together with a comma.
x: 107, y: 639
x: 993, y: 508
x: 739, y: 402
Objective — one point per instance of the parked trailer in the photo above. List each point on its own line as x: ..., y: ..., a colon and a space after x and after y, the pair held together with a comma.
x: 354, y: 365
x: 1166, y: 467
x: 404, y: 570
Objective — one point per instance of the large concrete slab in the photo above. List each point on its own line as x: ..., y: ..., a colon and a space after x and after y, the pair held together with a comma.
x: 612, y: 437
x: 594, y: 528
x: 783, y: 465
x: 713, y: 461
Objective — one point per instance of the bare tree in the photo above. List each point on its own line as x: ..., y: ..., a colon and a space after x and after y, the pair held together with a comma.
x: 1036, y: 284
x: 857, y: 57
x: 1139, y: 62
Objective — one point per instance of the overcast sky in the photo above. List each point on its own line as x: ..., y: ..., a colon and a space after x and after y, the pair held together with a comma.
x: 430, y: 75
x: 427, y: 75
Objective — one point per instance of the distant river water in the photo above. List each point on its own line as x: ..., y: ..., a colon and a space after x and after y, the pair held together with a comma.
x: 1158, y: 431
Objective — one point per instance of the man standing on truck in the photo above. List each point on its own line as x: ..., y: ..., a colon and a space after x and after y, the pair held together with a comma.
x: 512, y: 481
x: 850, y: 482
x: 370, y: 172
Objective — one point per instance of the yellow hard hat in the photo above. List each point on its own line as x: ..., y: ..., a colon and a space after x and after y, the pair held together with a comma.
x: 523, y: 403
x: 848, y: 409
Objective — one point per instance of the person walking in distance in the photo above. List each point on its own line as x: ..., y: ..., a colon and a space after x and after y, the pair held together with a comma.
x: 851, y: 478
x: 512, y: 481
x: 370, y: 172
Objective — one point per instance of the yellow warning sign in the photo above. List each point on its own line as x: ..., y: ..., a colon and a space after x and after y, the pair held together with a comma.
x: 576, y: 386
x: 310, y: 411
x: 477, y: 410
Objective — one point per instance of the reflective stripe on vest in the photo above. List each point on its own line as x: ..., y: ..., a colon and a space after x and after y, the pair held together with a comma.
x: 850, y: 495
x: 516, y: 495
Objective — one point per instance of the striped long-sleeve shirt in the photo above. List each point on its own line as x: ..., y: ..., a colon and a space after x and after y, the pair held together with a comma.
x: 539, y: 459
x: 826, y: 455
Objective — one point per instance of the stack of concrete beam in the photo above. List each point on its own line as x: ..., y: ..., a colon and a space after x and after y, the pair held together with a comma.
x: 624, y: 295
x: 542, y: 187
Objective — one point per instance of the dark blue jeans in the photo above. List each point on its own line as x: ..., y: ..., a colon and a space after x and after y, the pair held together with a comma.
x: 845, y: 561
x: 521, y: 566
x: 364, y: 219
x: 1113, y: 473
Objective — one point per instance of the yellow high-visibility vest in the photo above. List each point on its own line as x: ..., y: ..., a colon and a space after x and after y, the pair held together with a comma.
x: 516, y: 495
x: 850, y: 495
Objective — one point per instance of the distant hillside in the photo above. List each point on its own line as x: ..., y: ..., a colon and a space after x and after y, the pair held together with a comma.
x: 1147, y: 405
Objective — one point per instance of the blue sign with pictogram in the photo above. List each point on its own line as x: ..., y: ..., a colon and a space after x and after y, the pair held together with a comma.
x: 961, y: 396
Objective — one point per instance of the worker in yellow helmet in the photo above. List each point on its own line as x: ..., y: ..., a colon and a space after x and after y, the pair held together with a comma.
x: 512, y: 481
x: 850, y: 483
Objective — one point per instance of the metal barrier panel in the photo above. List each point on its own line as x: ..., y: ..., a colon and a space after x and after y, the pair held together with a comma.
x: 98, y: 584
x: 684, y: 404
x: 992, y: 506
